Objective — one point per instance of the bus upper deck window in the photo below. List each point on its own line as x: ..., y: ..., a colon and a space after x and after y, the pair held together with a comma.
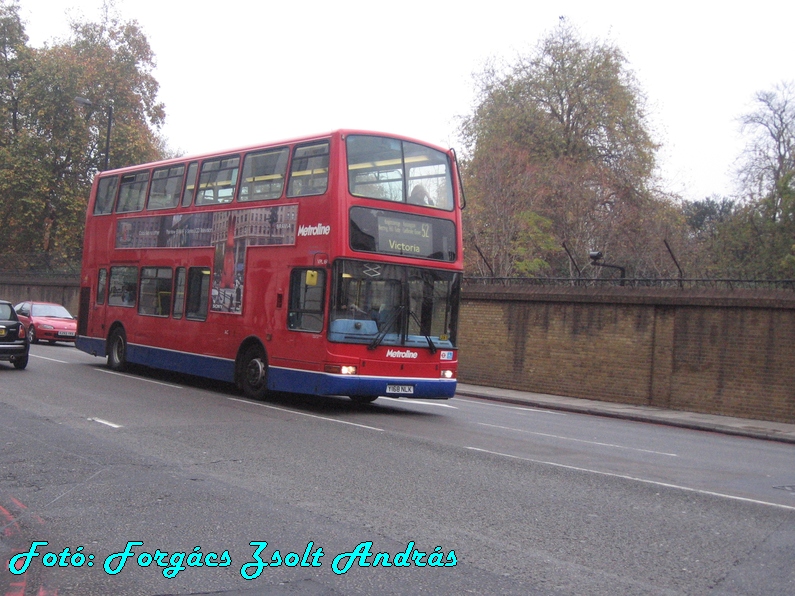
x: 375, y: 167
x: 132, y: 192
x: 217, y: 181
x: 190, y: 184
x: 106, y: 194
x: 263, y: 175
x: 309, y: 170
x: 166, y: 188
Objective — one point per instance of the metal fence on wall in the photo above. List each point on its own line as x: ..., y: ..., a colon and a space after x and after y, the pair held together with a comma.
x: 674, y: 283
x: 43, y: 265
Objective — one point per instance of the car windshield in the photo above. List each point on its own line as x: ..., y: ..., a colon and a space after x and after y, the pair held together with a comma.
x: 6, y: 312
x: 49, y: 310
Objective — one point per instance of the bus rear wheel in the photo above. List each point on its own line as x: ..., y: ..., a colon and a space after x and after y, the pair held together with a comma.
x: 117, y: 350
x: 254, y: 373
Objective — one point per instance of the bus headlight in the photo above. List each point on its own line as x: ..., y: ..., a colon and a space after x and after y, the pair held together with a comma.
x: 448, y: 374
x: 337, y: 369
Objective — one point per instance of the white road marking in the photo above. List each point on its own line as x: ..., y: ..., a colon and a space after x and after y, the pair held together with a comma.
x: 50, y: 359
x: 635, y: 479
x: 106, y: 423
x: 111, y: 372
x: 522, y: 408
x: 530, y: 432
x: 253, y: 403
x: 417, y: 401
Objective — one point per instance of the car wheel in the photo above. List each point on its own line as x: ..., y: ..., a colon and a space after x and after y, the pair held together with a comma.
x: 254, y: 373
x: 363, y: 399
x: 117, y: 350
x: 20, y: 362
x: 32, y: 334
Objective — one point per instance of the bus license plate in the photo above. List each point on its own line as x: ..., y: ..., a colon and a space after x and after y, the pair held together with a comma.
x: 400, y: 389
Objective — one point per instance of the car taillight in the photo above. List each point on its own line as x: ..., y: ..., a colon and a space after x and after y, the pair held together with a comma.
x: 21, y: 331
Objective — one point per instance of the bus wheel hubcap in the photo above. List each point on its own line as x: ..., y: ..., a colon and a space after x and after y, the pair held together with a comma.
x: 255, y: 372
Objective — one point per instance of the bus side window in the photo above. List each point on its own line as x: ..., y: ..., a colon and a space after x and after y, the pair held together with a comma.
x: 102, y: 281
x: 123, y: 286
x: 132, y: 192
x: 198, y: 297
x: 166, y: 188
x: 179, y: 293
x: 155, y: 291
x: 309, y: 170
x: 307, y: 292
x: 106, y: 194
x: 190, y: 184
x: 217, y: 181
x: 263, y: 175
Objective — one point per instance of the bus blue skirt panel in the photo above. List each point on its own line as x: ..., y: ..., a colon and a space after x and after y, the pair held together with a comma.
x: 304, y: 381
x: 279, y: 379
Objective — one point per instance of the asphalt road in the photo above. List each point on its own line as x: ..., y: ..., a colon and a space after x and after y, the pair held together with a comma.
x: 521, y: 500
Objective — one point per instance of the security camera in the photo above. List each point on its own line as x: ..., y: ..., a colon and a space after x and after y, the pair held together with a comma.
x: 595, y: 255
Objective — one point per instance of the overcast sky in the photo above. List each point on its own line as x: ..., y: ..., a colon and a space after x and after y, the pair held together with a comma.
x: 240, y: 72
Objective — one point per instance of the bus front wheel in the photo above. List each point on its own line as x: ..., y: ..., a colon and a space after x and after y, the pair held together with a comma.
x: 363, y: 399
x: 254, y: 373
x: 117, y: 350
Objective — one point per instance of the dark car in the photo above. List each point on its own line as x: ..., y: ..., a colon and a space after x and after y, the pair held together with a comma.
x: 14, y: 344
x: 47, y: 321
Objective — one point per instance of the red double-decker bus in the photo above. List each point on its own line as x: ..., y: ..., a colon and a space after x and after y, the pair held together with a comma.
x: 328, y: 265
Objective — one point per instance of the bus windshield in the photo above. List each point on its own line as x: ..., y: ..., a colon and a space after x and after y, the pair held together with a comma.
x: 382, y: 304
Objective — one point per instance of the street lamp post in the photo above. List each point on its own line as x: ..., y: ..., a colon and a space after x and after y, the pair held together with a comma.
x: 88, y: 103
x: 596, y: 256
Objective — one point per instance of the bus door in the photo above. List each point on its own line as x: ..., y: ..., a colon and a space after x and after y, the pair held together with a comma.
x: 120, y: 297
x: 97, y: 310
x: 306, y: 302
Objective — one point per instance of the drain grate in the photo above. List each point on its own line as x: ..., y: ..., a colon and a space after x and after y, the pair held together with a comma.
x: 790, y: 488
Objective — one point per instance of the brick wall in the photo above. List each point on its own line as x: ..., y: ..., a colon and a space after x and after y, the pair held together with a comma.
x: 727, y: 353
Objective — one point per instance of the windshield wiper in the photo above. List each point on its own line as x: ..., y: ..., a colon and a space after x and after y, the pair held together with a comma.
x: 385, y: 329
x: 431, y: 345
x: 388, y: 325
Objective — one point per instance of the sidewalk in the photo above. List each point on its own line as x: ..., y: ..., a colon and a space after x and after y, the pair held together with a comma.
x: 757, y: 429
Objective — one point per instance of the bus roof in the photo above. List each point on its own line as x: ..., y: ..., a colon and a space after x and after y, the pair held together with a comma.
x: 275, y: 143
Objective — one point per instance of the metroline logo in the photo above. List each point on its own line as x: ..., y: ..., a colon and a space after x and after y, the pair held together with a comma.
x: 318, y: 230
x: 401, y: 354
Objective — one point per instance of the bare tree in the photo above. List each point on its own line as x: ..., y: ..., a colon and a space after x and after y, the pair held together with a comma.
x: 768, y: 161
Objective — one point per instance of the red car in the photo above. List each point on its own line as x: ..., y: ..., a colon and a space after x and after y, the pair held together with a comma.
x: 46, y: 321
